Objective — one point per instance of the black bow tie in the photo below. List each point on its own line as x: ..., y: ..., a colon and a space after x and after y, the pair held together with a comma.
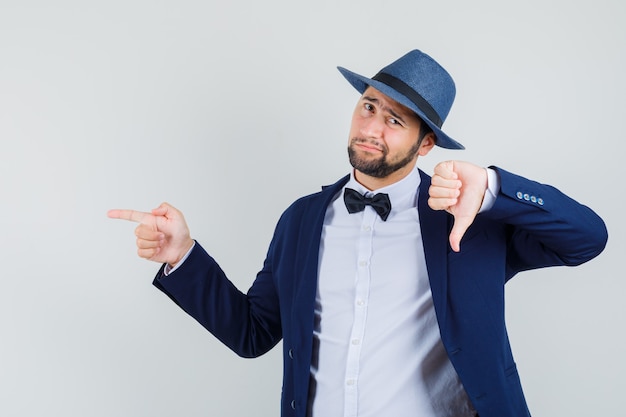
x: 356, y: 202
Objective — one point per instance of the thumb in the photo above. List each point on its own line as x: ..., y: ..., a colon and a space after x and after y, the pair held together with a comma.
x: 461, y: 224
x: 162, y: 210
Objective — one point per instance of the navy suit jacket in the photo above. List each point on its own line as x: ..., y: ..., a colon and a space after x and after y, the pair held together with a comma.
x: 531, y: 225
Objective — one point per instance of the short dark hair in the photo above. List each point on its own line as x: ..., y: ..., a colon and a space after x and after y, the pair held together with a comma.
x: 424, y: 130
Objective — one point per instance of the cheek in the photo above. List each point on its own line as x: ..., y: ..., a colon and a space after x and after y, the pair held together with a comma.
x: 399, y: 142
x: 355, y: 127
x: 403, y: 150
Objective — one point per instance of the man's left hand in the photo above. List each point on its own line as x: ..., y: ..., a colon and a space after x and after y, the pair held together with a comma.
x: 459, y: 188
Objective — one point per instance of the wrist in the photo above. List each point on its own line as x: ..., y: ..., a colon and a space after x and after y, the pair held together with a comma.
x: 184, y: 253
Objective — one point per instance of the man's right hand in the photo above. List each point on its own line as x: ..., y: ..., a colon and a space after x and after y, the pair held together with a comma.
x: 162, y: 235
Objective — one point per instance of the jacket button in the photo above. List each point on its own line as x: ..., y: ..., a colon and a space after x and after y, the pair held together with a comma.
x: 291, y: 353
x: 519, y: 195
x: 293, y: 404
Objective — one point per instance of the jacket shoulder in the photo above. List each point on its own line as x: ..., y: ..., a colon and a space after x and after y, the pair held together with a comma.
x: 318, y: 200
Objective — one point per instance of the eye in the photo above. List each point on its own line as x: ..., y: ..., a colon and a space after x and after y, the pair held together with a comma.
x: 368, y: 107
x: 394, y: 121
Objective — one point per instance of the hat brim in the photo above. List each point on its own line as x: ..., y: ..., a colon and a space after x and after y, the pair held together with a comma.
x: 361, y: 83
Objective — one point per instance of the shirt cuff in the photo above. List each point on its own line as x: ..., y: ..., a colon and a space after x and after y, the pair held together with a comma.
x: 493, y: 188
x: 169, y: 268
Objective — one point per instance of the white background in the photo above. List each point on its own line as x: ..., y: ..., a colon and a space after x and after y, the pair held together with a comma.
x: 125, y: 104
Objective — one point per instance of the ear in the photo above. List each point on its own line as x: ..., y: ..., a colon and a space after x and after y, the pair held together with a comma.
x: 427, y: 144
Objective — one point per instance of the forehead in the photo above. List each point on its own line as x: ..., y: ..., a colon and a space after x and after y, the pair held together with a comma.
x: 386, y: 102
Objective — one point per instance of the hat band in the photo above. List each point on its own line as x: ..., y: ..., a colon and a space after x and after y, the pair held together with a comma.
x: 403, y: 88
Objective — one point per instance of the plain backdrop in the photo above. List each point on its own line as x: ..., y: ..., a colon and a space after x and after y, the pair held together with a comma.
x: 230, y: 111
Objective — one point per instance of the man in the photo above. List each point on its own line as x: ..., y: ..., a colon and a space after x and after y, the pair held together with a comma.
x: 387, y: 287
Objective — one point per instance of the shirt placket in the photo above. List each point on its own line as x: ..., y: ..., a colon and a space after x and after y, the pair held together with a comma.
x: 361, y: 298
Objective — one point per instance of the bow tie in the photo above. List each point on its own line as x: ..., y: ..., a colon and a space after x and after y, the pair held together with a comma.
x: 356, y: 202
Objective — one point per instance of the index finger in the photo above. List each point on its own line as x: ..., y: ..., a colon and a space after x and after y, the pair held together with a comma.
x: 131, y: 215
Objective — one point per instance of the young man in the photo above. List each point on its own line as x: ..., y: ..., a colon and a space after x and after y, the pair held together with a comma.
x: 387, y: 287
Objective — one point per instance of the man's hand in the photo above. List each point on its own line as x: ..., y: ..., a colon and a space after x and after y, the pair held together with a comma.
x: 162, y: 235
x: 459, y: 188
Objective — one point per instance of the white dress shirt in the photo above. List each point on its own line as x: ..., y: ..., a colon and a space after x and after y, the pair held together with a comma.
x: 377, y: 347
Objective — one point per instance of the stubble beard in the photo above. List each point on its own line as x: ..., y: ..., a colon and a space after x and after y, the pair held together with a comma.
x: 380, y: 167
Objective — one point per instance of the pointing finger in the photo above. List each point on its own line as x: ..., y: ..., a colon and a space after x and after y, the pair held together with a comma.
x: 131, y: 215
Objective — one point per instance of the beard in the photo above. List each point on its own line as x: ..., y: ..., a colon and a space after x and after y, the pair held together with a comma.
x: 380, y: 167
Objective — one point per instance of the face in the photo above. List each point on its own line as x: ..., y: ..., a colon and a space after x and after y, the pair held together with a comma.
x: 384, y: 138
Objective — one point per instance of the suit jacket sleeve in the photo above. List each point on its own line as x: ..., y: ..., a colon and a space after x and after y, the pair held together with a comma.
x: 545, y: 227
x: 249, y: 324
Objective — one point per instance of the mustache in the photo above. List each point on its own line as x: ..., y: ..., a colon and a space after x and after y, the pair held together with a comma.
x: 371, y: 142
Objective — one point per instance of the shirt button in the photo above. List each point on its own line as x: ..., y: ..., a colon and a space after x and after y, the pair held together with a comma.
x: 350, y: 382
x: 362, y: 263
x: 360, y: 303
x: 367, y: 228
x: 355, y: 341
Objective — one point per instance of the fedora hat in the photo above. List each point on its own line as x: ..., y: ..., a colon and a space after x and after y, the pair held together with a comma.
x: 418, y: 82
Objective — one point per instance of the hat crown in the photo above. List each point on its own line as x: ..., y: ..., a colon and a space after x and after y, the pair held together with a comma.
x: 427, y: 78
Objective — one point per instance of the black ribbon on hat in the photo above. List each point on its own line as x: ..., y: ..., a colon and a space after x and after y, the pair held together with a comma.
x: 406, y: 90
x: 356, y: 202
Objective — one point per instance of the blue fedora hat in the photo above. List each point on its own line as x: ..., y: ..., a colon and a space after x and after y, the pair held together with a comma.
x: 418, y: 82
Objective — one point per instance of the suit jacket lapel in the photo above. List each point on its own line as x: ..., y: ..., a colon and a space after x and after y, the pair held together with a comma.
x: 434, y: 226
x: 308, y: 259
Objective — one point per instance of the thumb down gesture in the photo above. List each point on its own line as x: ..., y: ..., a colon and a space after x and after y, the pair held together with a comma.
x: 458, y: 188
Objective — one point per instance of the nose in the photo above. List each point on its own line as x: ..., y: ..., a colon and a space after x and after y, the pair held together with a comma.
x: 372, y: 127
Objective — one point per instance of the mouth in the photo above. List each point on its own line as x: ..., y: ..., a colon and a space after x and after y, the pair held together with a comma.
x: 371, y: 147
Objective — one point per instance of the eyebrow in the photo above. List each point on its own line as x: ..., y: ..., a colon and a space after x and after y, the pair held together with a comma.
x: 385, y: 108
